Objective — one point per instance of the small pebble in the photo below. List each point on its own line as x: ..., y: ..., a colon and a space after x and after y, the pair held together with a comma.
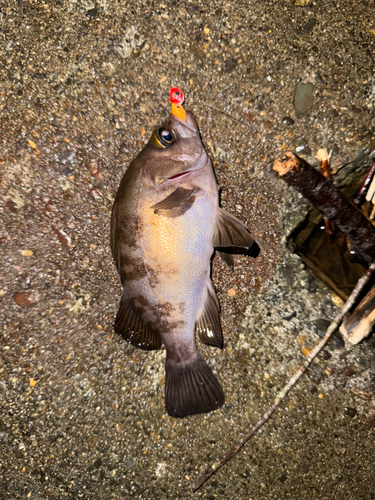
x: 309, y: 26
x: 48, y: 209
x: 288, y: 121
x: 229, y: 65
x: 26, y: 253
x: 92, y: 12
x: 12, y: 206
x: 64, y: 239
x: 26, y: 299
x: 303, y: 98
x: 351, y: 412
x: 283, y: 478
x: 303, y: 149
x: 26, y: 283
x: 315, y: 374
x: 67, y: 158
x: 305, y: 351
x: 67, y: 172
x: 337, y: 300
x: 95, y: 169
x: 290, y: 316
x: 231, y: 292
x: 336, y: 342
x: 96, y: 193
x: 320, y: 325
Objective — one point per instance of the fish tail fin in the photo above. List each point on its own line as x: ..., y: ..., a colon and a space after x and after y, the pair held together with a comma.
x: 191, y: 387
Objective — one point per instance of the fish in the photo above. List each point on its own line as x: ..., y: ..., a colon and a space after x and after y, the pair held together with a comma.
x: 166, y: 223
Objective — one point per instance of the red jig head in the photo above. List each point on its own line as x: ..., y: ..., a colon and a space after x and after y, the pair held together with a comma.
x: 177, y: 98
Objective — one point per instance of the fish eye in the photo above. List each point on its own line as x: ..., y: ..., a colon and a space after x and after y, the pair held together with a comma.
x: 165, y: 136
x: 162, y: 138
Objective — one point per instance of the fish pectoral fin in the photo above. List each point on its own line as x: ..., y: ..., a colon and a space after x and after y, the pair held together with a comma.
x: 208, y: 325
x: 130, y: 324
x: 177, y: 203
x: 227, y: 258
x: 230, y: 231
x: 191, y: 387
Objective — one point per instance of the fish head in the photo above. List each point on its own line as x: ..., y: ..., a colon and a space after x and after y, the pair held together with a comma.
x: 174, y: 151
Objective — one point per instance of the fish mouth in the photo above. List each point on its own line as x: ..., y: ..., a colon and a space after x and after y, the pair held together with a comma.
x: 201, y: 163
x: 178, y: 176
x: 183, y: 127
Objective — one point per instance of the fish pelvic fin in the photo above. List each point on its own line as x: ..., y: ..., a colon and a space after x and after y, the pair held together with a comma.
x: 227, y: 258
x: 208, y: 325
x: 230, y: 231
x: 130, y: 324
x: 177, y: 203
x: 191, y: 388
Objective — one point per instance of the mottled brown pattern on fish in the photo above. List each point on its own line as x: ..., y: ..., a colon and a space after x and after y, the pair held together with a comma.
x: 130, y: 231
x: 132, y: 266
x: 137, y: 272
x: 141, y: 303
x: 181, y: 307
x: 142, y: 300
x: 176, y: 325
x: 165, y: 318
x: 153, y: 276
x: 162, y: 310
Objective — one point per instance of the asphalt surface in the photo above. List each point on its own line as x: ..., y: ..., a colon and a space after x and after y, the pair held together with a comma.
x: 82, y: 86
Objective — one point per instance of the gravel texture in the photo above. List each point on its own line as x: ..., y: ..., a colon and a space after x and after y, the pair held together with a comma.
x: 83, y: 84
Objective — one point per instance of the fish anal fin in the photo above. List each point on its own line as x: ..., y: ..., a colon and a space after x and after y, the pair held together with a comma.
x: 191, y: 388
x: 177, y: 203
x: 230, y: 231
x: 130, y: 324
x: 208, y: 324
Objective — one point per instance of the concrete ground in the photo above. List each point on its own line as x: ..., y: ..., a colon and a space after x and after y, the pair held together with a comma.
x: 82, y: 86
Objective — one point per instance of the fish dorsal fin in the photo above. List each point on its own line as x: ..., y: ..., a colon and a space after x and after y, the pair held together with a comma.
x: 208, y: 325
x: 114, y: 242
x: 230, y: 231
x: 177, y: 203
x: 130, y: 324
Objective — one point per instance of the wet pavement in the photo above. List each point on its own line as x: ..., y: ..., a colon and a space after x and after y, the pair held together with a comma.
x: 83, y: 84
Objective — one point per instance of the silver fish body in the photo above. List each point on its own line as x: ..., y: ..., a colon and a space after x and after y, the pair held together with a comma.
x: 166, y: 222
